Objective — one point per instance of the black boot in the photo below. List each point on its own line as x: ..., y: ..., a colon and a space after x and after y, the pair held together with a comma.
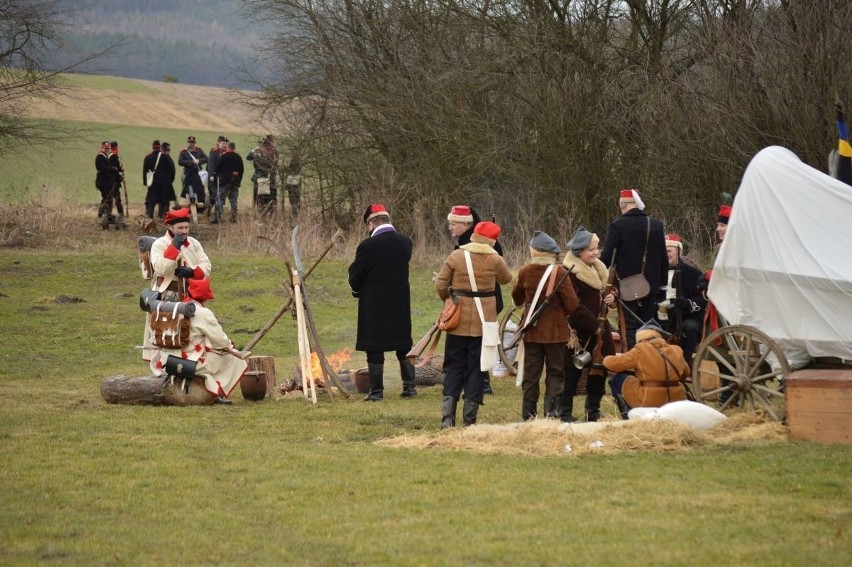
x: 566, y: 408
x: 551, y: 407
x: 377, y: 386
x: 448, y: 412
x: 528, y: 410
x: 623, y: 408
x: 486, y: 383
x: 406, y: 371
x: 469, y: 412
x: 593, y: 407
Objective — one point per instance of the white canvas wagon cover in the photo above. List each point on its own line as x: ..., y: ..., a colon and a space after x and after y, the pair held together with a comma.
x: 785, y: 267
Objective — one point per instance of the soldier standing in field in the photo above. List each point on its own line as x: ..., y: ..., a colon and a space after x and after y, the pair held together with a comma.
x: 108, y: 180
x: 265, y: 177
x: 192, y: 158
x: 212, y: 161
x: 293, y: 182
x: 229, y: 176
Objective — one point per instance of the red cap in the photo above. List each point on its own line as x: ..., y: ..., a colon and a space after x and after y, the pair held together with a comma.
x: 674, y: 240
x: 180, y: 215
x: 626, y: 194
x: 375, y: 210
x: 487, y: 230
x: 460, y: 213
x: 200, y: 290
x: 724, y: 214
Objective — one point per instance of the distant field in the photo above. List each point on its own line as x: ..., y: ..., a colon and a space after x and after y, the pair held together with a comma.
x: 68, y: 169
x: 106, y: 82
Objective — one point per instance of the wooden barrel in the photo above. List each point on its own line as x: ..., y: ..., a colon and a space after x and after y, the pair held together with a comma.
x: 253, y: 385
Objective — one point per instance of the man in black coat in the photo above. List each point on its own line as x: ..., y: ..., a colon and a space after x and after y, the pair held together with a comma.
x: 682, y: 313
x: 161, y: 191
x: 229, y: 176
x: 378, y: 277
x: 192, y: 159
x: 638, y: 244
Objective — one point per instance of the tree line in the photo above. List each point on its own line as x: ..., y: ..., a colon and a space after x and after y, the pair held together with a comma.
x: 541, y: 110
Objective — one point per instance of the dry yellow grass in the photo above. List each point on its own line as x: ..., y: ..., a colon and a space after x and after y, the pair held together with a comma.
x: 548, y: 437
x: 156, y: 104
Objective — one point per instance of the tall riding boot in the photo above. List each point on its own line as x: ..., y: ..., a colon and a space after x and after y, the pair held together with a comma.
x: 551, y: 407
x: 469, y: 412
x: 566, y: 408
x: 528, y: 410
x: 377, y: 385
x: 406, y: 371
x: 593, y: 407
x: 486, y: 383
x: 448, y: 412
x: 623, y: 408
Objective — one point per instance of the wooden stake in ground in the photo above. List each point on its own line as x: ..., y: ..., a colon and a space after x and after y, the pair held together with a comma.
x: 304, y: 344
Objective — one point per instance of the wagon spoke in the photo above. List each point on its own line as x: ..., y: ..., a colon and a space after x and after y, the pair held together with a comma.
x: 720, y: 359
x: 767, y: 390
x: 767, y: 406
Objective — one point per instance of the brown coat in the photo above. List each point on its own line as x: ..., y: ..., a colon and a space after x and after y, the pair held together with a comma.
x: 552, y: 325
x: 488, y: 269
x: 648, y: 386
x: 589, y: 283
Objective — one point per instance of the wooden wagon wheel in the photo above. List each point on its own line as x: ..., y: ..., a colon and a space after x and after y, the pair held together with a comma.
x: 513, y: 315
x: 731, y: 371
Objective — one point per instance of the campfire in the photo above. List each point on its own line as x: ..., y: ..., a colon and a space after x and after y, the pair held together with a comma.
x: 336, y: 361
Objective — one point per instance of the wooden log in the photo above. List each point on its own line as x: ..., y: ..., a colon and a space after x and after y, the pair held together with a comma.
x: 135, y: 390
x: 152, y: 390
x: 265, y: 364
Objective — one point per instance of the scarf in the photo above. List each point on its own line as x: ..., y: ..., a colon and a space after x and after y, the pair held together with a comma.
x: 594, y: 276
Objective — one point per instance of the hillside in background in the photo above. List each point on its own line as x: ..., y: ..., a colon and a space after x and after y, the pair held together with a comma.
x: 201, y: 42
x: 132, y: 112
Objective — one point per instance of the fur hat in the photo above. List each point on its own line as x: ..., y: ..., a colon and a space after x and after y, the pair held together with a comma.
x: 485, y: 232
x: 375, y: 210
x: 651, y: 330
x: 724, y: 214
x: 581, y: 240
x: 542, y: 242
x: 675, y: 241
x: 200, y: 290
x: 180, y: 215
x: 460, y: 213
x: 630, y: 196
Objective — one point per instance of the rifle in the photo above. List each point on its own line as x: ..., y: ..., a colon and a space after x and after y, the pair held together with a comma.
x: 124, y: 184
x: 433, y: 335
x: 533, y: 319
x: 611, y: 287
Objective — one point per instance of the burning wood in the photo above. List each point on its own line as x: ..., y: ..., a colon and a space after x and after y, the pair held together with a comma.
x: 336, y: 360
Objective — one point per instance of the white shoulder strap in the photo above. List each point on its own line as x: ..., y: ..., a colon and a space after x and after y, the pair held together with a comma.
x: 538, y: 292
x: 473, y: 286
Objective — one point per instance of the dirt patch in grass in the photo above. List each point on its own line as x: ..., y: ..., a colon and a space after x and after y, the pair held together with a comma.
x: 548, y: 437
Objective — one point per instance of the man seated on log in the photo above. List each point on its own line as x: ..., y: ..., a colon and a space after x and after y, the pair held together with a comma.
x: 176, y: 258
x: 209, y: 349
x: 648, y: 375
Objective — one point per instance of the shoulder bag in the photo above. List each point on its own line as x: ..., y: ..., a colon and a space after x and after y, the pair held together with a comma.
x: 636, y: 287
x: 149, y: 175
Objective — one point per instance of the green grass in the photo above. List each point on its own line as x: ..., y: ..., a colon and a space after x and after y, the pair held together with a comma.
x: 67, y: 169
x: 282, y: 482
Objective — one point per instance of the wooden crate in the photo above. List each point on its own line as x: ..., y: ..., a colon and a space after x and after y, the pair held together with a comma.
x: 819, y: 405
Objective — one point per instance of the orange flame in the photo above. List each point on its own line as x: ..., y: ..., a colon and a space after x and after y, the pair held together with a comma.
x: 338, y: 359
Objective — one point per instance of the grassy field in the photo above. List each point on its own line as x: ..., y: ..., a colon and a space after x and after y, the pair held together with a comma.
x: 284, y: 482
x: 281, y: 481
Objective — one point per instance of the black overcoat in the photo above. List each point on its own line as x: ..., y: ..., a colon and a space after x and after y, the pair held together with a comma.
x: 626, y: 234
x: 378, y: 277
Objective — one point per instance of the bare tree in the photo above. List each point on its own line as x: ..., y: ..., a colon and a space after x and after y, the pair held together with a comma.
x: 29, y: 30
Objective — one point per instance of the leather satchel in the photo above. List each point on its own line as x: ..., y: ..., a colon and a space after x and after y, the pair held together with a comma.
x: 180, y: 367
x: 450, y: 315
x: 634, y: 287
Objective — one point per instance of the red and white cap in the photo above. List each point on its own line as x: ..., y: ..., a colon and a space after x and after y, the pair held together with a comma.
x: 630, y: 196
x: 374, y: 210
x: 179, y: 215
x: 460, y: 213
x: 674, y: 240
